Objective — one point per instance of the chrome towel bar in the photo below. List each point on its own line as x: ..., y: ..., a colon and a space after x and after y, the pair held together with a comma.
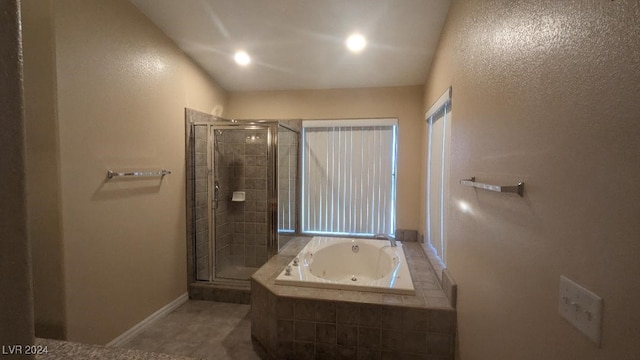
x: 111, y: 174
x: 518, y: 189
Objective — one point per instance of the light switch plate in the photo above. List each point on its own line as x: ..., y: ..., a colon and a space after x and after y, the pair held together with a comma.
x: 582, y: 308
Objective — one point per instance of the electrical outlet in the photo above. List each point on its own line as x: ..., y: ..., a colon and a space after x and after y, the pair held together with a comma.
x: 582, y: 308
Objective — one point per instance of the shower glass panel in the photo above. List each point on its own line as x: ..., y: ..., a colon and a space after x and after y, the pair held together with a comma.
x: 233, y: 212
x: 287, y: 184
x: 200, y: 200
x: 239, y: 185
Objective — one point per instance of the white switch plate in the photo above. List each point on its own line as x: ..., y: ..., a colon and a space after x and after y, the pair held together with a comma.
x: 582, y: 308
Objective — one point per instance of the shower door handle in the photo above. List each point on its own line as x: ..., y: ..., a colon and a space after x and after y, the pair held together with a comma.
x: 216, y: 191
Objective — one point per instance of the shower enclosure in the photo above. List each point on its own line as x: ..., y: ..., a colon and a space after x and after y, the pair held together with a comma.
x: 235, y: 177
x: 288, y: 157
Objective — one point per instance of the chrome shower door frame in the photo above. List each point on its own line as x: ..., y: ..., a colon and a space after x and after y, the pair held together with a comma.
x: 271, y: 189
x: 194, y: 118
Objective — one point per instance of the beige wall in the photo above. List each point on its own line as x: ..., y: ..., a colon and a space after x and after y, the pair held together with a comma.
x: 404, y: 103
x: 16, y: 312
x: 119, y: 92
x: 546, y: 92
x: 43, y: 180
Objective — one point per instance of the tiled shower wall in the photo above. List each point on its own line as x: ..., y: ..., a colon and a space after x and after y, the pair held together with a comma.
x: 224, y: 227
x: 200, y: 211
x: 241, y: 233
x: 242, y: 237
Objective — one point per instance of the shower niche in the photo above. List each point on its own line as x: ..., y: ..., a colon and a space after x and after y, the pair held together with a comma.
x: 235, y: 178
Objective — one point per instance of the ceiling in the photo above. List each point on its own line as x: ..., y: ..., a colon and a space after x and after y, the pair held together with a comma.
x: 299, y: 44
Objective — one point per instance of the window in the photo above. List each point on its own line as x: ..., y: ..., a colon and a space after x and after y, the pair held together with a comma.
x: 349, y: 177
x: 439, y: 127
x: 287, y: 179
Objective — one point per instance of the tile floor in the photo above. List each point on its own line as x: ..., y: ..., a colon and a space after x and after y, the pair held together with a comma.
x: 66, y: 350
x: 201, y: 330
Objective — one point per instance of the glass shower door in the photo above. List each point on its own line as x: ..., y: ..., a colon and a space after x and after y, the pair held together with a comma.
x: 239, y: 183
x: 287, y: 184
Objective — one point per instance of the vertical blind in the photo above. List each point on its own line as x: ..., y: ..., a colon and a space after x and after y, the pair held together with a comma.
x: 439, y: 125
x: 287, y: 179
x: 349, y: 177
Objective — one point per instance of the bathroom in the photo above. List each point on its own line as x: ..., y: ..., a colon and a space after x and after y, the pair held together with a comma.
x: 544, y: 93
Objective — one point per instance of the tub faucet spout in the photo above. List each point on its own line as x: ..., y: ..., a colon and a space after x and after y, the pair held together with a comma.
x: 392, y: 240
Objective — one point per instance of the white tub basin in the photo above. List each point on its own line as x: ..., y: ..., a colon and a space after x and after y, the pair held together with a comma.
x: 350, y: 264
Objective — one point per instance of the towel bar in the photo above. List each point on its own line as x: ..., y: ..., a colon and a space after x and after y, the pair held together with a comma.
x: 111, y: 174
x: 518, y: 189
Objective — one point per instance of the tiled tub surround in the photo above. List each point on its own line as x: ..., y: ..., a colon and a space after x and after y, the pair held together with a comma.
x: 350, y: 264
x: 294, y: 322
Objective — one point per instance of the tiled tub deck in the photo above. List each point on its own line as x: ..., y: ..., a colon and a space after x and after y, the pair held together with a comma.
x: 307, y: 323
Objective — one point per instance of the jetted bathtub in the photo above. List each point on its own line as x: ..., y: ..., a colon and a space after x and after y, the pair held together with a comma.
x: 350, y: 264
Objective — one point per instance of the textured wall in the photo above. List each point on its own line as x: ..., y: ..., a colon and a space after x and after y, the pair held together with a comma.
x: 403, y: 103
x: 16, y: 312
x: 546, y: 92
x: 43, y: 178
x: 122, y: 87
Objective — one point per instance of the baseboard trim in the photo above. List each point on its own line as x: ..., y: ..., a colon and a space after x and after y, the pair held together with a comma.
x: 139, y: 327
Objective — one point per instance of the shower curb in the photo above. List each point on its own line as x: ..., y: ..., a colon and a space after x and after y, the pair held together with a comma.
x: 235, y: 292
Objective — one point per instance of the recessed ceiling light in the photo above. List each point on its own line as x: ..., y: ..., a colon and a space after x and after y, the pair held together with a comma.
x: 356, y: 42
x: 242, y: 58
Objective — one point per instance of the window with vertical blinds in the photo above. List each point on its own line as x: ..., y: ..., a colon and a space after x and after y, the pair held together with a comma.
x: 439, y: 127
x: 348, y: 177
